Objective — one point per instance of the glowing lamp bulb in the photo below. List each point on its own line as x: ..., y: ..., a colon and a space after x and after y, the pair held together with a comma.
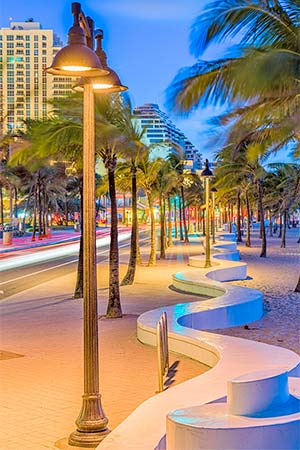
x: 102, y: 86
x: 76, y: 68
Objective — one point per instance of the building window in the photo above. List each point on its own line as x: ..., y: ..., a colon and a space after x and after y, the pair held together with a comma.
x: 36, y: 38
x: 10, y: 37
x: 27, y: 38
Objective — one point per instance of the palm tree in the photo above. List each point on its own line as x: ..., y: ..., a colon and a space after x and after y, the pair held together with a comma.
x: 235, y: 170
x: 148, y: 170
x: 268, y: 48
x: 133, y: 152
x: 285, y: 191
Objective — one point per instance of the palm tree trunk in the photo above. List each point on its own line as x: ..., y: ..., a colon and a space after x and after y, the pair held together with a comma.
x: 129, y: 277
x: 271, y: 226
x: 34, y: 211
x: 280, y: 225
x: 297, y: 288
x: 186, y: 237
x: 175, y: 218
x: 40, y: 209
x: 66, y: 210
x: 1, y: 206
x: 16, y: 202
x: 162, y: 253
x: 11, y: 212
x: 263, y: 253
x: 78, y: 293
x: 225, y: 215
x: 27, y: 206
x: 138, y: 249
x: 283, y: 240
x: 238, y: 216
x: 114, y: 302
x: 248, y: 239
x: 180, y: 220
x: 230, y: 218
x: 170, y: 240
x: 152, y: 257
x: 197, y: 219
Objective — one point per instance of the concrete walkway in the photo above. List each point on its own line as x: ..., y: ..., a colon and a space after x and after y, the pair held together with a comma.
x: 41, y: 358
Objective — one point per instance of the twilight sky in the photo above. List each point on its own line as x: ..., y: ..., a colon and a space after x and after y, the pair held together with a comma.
x: 146, y: 42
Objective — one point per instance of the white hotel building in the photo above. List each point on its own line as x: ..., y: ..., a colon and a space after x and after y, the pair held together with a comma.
x: 159, y: 129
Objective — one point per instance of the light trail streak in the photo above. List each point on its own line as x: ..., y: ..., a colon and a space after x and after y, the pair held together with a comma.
x: 57, y: 266
x: 25, y: 260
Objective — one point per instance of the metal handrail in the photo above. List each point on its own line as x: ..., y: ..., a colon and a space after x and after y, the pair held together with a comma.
x: 162, y: 349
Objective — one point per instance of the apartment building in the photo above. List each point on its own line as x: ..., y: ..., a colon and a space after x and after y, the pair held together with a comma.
x: 26, y: 49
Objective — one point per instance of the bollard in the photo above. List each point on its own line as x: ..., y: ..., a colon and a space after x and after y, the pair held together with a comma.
x: 162, y: 350
x: 7, y: 238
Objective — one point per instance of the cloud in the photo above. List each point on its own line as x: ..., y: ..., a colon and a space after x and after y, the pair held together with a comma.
x: 172, y: 10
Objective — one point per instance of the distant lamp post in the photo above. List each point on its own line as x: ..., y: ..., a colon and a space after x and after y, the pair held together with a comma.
x: 213, y: 215
x: 78, y: 59
x: 207, y: 174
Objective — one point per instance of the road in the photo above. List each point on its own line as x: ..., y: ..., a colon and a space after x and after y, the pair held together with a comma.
x: 39, y: 266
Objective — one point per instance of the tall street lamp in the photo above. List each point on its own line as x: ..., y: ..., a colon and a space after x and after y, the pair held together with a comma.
x: 207, y: 174
x: 213, y: 215
x: 78, y: 59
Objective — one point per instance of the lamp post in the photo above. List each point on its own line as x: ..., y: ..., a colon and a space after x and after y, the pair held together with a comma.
x: 206, y: 174
x: 79, y: 59
x: 213, y: 215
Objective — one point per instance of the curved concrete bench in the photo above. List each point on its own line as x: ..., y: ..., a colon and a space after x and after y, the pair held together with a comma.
x: 229, y: 357
x: 260, y: 414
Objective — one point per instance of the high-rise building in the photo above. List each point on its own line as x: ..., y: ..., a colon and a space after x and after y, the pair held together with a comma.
x: 161, y: 131
x: 26, y: 49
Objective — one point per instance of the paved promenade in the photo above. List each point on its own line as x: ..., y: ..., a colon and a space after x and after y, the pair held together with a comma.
x: 41, y: 366
x: 41, y: 342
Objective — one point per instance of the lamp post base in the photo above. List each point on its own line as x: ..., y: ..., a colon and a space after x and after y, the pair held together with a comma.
x: 207, y: 264
x: 87, y: 439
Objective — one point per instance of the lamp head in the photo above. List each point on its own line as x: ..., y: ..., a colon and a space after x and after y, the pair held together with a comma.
x: 76, y: 59
x: 214, y: 190
x: 206, y: 172
x: 106, y: 84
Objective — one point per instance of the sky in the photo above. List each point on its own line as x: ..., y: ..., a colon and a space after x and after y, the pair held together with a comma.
x: 146, y: 41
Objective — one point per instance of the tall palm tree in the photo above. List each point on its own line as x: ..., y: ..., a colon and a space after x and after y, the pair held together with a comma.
x: 133, y: 152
